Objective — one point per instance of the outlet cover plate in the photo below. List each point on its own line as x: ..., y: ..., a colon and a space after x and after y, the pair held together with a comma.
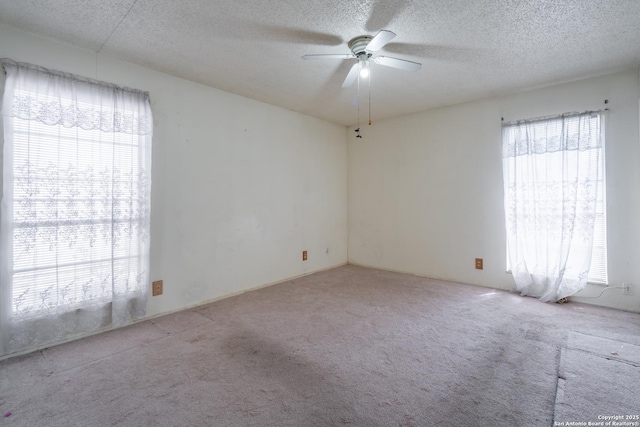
x: 156, y: 288
x: 628, y: 289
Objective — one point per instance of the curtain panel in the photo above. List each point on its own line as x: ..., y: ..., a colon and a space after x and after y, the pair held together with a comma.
x: 74, y: 217
x: 551, y: 170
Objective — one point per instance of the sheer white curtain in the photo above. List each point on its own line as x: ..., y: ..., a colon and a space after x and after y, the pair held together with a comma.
x: 551, y: 170
x: 74, y: 221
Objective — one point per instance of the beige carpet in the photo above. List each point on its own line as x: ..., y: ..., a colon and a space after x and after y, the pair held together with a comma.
x: 349, y: 346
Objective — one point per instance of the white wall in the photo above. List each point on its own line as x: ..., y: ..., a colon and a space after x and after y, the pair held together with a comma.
x: 239, y: 188
x: 426, y: 196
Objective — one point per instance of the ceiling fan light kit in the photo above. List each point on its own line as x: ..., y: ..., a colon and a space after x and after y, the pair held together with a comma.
x: 363, y: 49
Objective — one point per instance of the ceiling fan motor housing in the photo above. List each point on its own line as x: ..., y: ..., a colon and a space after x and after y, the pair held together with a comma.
x: 358, y: 46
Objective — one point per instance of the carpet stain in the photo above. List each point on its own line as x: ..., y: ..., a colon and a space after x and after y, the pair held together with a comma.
x: 201, y: 337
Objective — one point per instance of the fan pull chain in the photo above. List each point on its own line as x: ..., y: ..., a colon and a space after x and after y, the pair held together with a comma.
x: 358, y: 101
x: 369, y: 65
x: 358, y: 135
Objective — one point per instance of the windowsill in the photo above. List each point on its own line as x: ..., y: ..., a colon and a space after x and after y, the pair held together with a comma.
x: 606, y: 285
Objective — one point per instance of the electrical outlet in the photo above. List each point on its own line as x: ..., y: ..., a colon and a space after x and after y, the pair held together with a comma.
x: 627, y: 288
x: 479, y: 264
x: 156, y: 288
x: 304, y: 255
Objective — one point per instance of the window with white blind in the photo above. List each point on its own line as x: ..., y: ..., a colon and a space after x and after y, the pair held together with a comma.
x: 555, y: 203
x: 74, y: 235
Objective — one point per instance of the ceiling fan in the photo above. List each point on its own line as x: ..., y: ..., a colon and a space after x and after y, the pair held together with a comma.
x: 363, y: 48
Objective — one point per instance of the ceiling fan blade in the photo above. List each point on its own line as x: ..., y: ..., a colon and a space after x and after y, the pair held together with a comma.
x: 329, y: 56
x: 351, y: 77
x: 400, y: 64
x: 383, y: 37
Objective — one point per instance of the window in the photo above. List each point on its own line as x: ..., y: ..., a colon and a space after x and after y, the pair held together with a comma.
x: 75, y: 212
x: 554, y: 181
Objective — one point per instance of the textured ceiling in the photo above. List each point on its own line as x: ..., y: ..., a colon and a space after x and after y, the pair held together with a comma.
x: 470, y: 49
